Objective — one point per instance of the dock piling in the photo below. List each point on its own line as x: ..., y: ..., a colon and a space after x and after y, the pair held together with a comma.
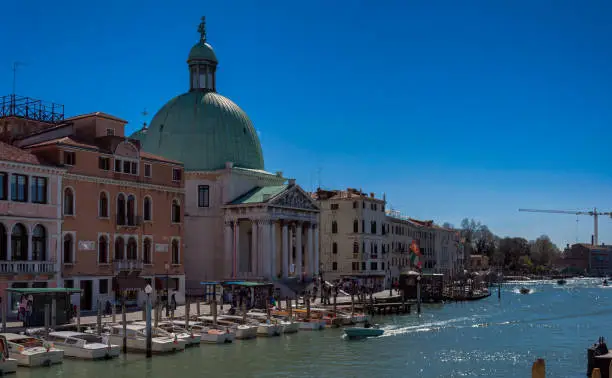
x: 538, y: 369
x: 596, y: 373
x: 213, y: 310
x: 187, y: 311
x: 3, y: 309
x: 114, y: 312
x: 124, y: 321
x: 198, y: 310
x: 78, y: 314
x: 157, y: 312
x: 47, y: 319
x: 290, y: 307
x: 307, y: 300
x: 335, y: 306
x: 99, y: 318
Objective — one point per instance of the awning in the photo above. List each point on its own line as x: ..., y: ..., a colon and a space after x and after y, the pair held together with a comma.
x: 44, y: 290
x: 210, y: 283
x: 245, y: 283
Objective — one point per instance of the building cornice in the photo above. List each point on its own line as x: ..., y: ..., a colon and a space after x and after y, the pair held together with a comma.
x: 137, y: 185
x: 32, y: 167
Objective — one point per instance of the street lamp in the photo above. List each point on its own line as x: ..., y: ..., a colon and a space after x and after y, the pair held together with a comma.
x: 148, y: 289
x: 167, y: 267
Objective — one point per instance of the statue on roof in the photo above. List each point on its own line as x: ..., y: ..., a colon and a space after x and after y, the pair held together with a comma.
x: 202, y: 29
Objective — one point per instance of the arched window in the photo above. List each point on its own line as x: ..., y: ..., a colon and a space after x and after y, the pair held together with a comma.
x: 103, y: 205
x: 334, y: 227
x: 3, y: 243
x: 68, y: 201
x: 146, y: 253
x: 19, y: 242
x: 39, y: 243
x: 102, y: 250
x: 119, y: 247
x: 132, y: 249
x: 175, y: 252
x: 355, y: 226
x: 355, y: 247
x: 68, y: 249
x: 176, y: 212
x: 131, y: 210
x: 335, y: 248
x: 146, y: 211
x: 121, y: 209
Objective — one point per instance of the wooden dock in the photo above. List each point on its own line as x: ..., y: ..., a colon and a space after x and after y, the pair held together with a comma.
x: 385, y: 308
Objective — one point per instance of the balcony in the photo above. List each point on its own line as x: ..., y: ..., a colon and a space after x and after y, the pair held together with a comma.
x: 128, y: 265
x: 27, y: 267
x: 133, y: 221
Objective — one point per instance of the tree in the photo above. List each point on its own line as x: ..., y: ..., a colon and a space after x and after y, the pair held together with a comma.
x: 485, y: 243
x: 512, y: 249
x: 543, y: 251
x: 448, y: 225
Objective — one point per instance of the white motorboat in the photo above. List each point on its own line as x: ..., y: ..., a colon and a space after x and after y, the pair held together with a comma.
x: 31, y: 351
x: 7, y: 364
x: 242, y: 331
x: 169, y: 329
x: 209, y: 334
x: 83, y: 345
x: 137, y: 339
x: 289, y: 327
x: 268, y: 329
x: 311, y: 325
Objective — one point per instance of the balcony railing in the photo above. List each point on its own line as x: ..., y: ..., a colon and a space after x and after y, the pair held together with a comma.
x: 27, y: 267
x: 125, y: 221
x: 128, y: 265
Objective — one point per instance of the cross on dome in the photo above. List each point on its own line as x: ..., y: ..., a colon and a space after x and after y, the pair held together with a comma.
x: 202, y: 30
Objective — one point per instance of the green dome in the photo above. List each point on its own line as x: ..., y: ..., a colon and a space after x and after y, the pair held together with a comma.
x: 204, y: 130
x: 202, y: 51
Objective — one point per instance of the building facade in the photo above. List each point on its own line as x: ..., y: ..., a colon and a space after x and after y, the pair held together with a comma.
x: 30, y: 222
x: 353, y: 241
x: 586, y: 259
x: 399, y: 240
x: 241, y: 221
x: 121, y: 208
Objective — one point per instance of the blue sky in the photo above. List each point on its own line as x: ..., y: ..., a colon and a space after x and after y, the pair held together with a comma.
x: 452, y: 108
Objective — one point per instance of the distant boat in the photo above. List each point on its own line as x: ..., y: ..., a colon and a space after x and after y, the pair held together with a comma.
x: 604, y: 283
x: 525, y: 290
x: 561, y: 282
x: 362, y: 332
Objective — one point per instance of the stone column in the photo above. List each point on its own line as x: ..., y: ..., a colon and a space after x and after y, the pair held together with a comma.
x: 254, y: 255
x: 264, y: 252
x: 316, y: 248
x: 310, y: 251
x: 298, y: 250
x: 273, y: 251
x: 285, y: 252
x: 236, y: 249
x: 229, y: 258
x: 30, y: 245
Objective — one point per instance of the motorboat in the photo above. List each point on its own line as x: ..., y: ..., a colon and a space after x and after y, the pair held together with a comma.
x: 288, y: 327
x: 136, y: 337
x: 561, y: 282
x: 83, y: 345
x: 209, y: 334
x: 240, y: 331
x: 7, y: 364
x: 524, y: 290
x: 168, y: 329
x: 31, y: 351
x: 362, y: 332
x: 604, y: 283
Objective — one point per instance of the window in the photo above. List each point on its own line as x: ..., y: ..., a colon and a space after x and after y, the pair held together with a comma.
x: 134, y: 167
x: 110, y: 132
x: 373, y: 227
x: 104, y: 163
x: 146, y: 251
x: 354, y: 204
x: 119, y: 246
x: 147, y: 172
x: 176, y: 174
x: 131, y: 210
x: 355, y: 247
x: 335, y: 206
x: 39, y: 244
x: 3, y: 186
x: 334, y: 266
x: 103, y: 205
x: 68, y: 202
x: 147, y: 209
x: 355, y: 225
x: 176, y: 212
x: 355, y: 266
x: 132, y: 249
x: 121, y: 209
x: 373, y: 266
x: 175, y: 252
x: 363, y: 265
x: 102, y: 250
x: 19, y: 188
x: 3, y: 243
x: 69, y: 158
x: 117, y: 165
x: 69, y: 284
x: 334, y: 248
x: 203, y: 196
x: 19, y: 243
x: 126, y: 167
x: 103, y: 285
x: 68, y: 249
x: 39, y: 189
x: 334, y: 227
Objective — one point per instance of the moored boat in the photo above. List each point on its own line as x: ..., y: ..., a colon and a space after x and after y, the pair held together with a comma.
x: 137, y: 339
x: 168, y: 329
x: 31, y: 351
x: 7, y: 364
x: 83, y: 345
x: 209, y: 334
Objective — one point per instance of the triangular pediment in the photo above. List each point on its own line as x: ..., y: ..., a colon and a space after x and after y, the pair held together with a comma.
x: 294, y: 197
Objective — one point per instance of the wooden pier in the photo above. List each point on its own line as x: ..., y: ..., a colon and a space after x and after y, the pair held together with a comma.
x: 385, y: 308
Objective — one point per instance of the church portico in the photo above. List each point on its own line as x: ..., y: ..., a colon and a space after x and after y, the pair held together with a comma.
x: 273, y: 238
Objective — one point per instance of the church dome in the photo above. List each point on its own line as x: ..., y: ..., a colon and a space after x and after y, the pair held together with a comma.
x: 204, y: 130
x: 201, y: 128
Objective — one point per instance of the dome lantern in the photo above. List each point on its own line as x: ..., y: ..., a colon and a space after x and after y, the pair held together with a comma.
x: 202, y: 63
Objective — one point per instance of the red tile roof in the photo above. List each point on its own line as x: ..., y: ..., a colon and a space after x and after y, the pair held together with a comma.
x: 64, y: 140
x: 146, y: 155
x: 16, y: 154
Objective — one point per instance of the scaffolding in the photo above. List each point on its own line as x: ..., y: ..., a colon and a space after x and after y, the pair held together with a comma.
x: 31, y: 109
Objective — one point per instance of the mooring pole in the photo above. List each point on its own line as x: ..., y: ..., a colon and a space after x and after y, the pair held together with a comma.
x: 99, y: 318
x: 124, y: 320
x: 419, y: 295
x: 149, y: 314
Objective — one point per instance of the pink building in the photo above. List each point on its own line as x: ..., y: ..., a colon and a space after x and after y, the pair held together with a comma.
x: 30, y: 222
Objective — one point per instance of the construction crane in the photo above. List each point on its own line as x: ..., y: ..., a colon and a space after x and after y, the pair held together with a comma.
x: 595, y: 214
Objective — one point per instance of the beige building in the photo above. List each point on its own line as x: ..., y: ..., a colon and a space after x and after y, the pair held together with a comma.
x: 353, y: 240
x: 399, y: 239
